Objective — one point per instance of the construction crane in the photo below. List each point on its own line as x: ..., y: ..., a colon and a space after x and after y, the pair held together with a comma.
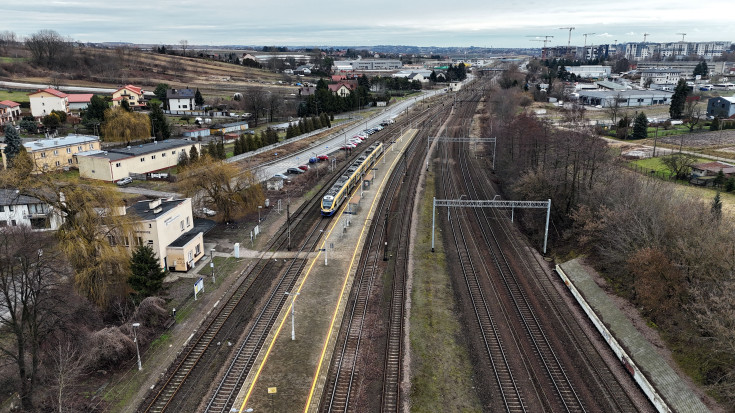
x: 682, y: 36
x: 546, y: 40
x: 645, y: 36
x: 569, y: 42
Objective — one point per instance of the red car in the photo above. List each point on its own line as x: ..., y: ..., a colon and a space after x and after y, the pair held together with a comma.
x: 304, y: 167
x: 322, y: 158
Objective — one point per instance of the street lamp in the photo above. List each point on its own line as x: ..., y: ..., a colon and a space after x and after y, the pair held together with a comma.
x: 293, y: 317
x: 211, y: 263
x: 259, y: 208
x: 135, y: 339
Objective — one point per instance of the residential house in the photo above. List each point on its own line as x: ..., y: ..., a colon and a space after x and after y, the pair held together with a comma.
x: 168, y: 227
x: 132, y: 94
x: 79, y: 101
x: 9, y: 112
x: 721, y: 107
x: 180, y: 99
x: 341, y: 89
x: 705, y: 173
x: 57, y: 153
x: 45, y: 101
x: 17, y: 209
x: 114, y: 164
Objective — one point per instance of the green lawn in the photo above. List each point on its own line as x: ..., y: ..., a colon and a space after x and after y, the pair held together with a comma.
x: 655, y: 164
x: 14, y: 96
x: 5, y: 59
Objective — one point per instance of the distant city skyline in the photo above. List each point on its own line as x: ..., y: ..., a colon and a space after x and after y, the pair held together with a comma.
x: 429, y: 23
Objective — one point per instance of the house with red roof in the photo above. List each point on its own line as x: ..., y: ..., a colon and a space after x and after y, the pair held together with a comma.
x: 132, y: 94
x: 342, y: 89
x: 79, y: 101
x: 9, y: 111
x: 45, y: 101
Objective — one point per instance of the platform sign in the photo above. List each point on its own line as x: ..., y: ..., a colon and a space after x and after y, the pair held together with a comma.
x: 272, y: 390
x: 198, y: 286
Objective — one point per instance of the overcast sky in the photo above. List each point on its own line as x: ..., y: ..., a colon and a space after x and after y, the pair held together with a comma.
x: 481, y: 23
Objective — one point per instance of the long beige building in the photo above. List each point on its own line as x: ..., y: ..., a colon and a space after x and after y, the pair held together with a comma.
x: 114, y: 164
x: 57, y: 153
x: 168, y: 227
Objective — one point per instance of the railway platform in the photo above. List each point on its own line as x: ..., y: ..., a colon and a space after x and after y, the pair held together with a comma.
x: 667, y: 388
x: 288, y: 374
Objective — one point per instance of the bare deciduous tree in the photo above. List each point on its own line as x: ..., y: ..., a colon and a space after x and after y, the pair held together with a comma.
x: 48, y: 48
x: 184, y: 45
x: 30, y: 270
x: 67, y: 364
x: 256, y: 100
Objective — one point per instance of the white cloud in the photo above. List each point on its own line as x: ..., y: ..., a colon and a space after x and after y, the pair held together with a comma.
x: 429, y: 22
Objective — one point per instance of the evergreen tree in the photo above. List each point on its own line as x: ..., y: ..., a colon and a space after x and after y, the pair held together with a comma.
x: 193, y: 154
x: 243, y: 143
x: 212, y: 149
x: 289, y: 132
x: 13, y: 143
x: 309, y: 123
x: 161, y: 90
x: 221, y: 154
x: 258, y: 140
x: 640, y: 126
x: 719, y: 179
x: 678, y: 100
x: 317, y: 122
x: 198, y: 99
x: 730, y: 185
x: 715, y: 125
x: 183, y: 159
x: 302, y: 127
x: 159, y: 123
x: 717, y: 207
x: 250, y: 143
x: 272, y: 136
x: 701, y: 69
x: 147, y: 275
x: 237, y: 150
x: 95, y: 112
x: 125, y: 105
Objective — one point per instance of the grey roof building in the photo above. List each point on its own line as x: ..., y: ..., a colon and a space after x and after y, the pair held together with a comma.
x: 625, y: 98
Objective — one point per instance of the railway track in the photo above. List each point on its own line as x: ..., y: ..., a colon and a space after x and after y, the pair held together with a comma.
x: 481, y: 240
x: 342, y: 390
x: 173, y: 392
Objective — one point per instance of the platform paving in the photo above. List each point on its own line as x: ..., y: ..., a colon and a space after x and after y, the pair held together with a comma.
x: 672, y: 388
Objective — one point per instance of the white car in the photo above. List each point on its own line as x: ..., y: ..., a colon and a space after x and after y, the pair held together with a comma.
x: 124, y: 181
x: 208, y: 212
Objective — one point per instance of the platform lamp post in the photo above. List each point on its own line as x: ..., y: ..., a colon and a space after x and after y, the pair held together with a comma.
x: 293, y: 316
x: 259, y: 208
x: 211, y: 263
x: 135, y: 339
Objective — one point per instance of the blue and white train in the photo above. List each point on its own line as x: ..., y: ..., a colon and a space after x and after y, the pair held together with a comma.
x: 341, y: 189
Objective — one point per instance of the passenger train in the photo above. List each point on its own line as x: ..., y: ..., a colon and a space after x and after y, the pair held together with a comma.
x: 341, y: 189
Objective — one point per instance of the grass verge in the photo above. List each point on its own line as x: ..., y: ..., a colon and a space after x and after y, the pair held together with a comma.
x: 441, y: 371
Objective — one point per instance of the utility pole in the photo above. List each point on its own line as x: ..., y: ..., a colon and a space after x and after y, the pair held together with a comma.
x: 569, y: 41
x: 288, y: 225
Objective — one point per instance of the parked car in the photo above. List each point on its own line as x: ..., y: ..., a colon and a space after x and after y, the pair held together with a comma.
x: 282, y: 176
x: 348, y: 146
x: 304, y: 167
x: 360, y: 137
x: 208, y: 212
x: 379, y: 128
x: 323, y: 157
x: 294, y: 170
x: 313, y: 160
x: 125, y: 181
